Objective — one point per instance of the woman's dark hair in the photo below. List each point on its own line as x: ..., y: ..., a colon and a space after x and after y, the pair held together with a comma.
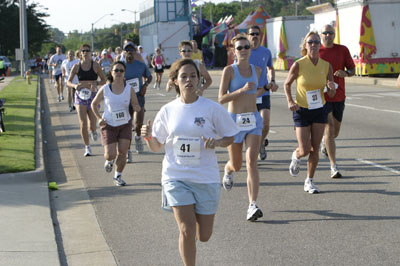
x: 109, y: 75
x: 176, y: 66
x: 85, y: 45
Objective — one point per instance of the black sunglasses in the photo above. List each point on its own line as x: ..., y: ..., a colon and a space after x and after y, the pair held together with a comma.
x: 315, y: 42
x: 186, y: 51
x: 328, y: 32
x: 129, y: 49
x: 254, y: 33
x: 85, y: 51
x: 119, y: 70
x: 246, y: 47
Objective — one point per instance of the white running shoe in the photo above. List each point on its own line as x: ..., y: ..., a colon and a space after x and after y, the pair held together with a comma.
x: 108, y: 165
x: 138, y: 144
x: 88, y: 151
x: 155, y: 85
x: 323, y: 148
x: 118, y: 181
x: 129, y: 157
x: 335, y: 172
x: 93, y: 135
x: 294, y: 167
x: 253, y: 213
x: 227, y: 181
x: 310, y: 187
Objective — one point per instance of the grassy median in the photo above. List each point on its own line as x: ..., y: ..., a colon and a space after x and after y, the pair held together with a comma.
x: 17, y: 144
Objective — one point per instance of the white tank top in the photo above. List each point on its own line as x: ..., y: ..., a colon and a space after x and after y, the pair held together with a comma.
x: 116, y: 106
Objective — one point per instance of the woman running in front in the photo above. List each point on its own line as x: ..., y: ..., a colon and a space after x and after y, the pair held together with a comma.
x: 116, y: 122
x: 187, y: 128
x: 312, y: 75
x: 239, y: 88
x: 87, y: 71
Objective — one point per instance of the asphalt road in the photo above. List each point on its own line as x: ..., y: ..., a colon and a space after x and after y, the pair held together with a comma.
x: 354, y: 221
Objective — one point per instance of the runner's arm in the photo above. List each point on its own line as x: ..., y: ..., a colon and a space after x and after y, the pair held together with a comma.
x: 292, y: 76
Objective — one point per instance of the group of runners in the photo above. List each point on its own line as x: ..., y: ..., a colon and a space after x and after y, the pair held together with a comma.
x: 188, y: 126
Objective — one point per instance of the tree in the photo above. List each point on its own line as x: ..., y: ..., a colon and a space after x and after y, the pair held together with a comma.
x: 9, y: 27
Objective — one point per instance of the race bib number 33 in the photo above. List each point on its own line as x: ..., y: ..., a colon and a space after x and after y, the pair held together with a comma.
x: 187, y: 150
x: 314, y: 99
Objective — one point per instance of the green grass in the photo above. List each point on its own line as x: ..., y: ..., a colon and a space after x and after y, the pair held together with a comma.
x: 17, y: 144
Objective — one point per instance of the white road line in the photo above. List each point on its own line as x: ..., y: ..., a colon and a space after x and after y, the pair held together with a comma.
x: 379, y: 166
x: 372, y: 108
x: 161, y: 94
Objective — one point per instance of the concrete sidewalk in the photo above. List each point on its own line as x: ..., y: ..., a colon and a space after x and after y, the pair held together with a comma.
x: 27, y: 236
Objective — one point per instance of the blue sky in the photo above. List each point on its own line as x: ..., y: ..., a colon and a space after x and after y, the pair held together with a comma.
x: 69, y: 15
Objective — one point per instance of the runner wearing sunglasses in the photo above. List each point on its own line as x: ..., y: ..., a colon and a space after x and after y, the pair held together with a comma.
x: 239, y: 88
x: 261, y: 57
x: 312, y: 75
x: 87, y: 72
x: 116, y: 121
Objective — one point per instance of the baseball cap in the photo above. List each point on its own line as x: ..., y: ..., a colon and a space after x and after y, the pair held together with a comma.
x: 140, y: 46
x: 129, y: 44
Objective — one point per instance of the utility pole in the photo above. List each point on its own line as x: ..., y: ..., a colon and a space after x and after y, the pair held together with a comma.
x: 23, y: 36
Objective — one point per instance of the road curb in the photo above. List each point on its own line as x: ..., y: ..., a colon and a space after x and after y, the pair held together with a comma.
x: 80, y: 237
x: 26, y: 206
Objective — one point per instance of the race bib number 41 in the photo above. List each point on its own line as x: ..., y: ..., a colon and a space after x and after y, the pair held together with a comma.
x: 187, y: 150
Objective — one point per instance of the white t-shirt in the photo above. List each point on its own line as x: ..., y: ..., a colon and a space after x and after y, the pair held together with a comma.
x: 57, y: 59
x: 179, y: 127
x: 144, y: 56
x: 67, y: 65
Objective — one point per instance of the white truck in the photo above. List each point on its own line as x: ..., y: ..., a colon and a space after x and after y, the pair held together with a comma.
x: 164, y: 24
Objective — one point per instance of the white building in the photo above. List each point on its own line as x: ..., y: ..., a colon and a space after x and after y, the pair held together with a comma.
x: 164, y: 23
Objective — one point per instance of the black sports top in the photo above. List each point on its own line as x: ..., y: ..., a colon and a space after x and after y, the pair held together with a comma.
x: 86, y: 75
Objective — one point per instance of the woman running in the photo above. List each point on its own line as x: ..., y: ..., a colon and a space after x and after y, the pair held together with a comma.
x: 105, y: 62
x: 239, y: 88
x: 88, y: 72
x: 187, y: 128
x: 158, y: 63
x: 116, y: 122
x: 312, y: 75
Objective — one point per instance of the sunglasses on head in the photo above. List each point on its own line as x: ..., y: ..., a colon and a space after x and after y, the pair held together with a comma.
x: 246, y: 47
x: 315, y: 42
x: 85, y: 51
x: 129, y: 49
x: 186, y: 51
x: 119, y: 70
x: 328, y: 32
x: 254, y: 34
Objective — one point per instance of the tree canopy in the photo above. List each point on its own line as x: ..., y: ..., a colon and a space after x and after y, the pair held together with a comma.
x: 9, y: 27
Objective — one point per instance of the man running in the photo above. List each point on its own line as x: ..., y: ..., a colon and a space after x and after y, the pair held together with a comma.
x: 134, y: 74
x: 343, y: 66
x: 261, y: 57
x: 55, y: 62
x: 66, y: 67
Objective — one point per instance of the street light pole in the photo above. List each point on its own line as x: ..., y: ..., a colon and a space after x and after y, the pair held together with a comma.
x: 111, y: 14
x: 134, y: 12
x: 23, y: 34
